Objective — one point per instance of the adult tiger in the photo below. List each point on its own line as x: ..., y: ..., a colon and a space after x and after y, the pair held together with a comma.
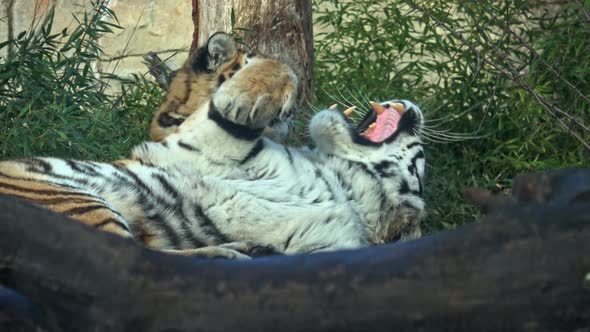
x: 217, y: 187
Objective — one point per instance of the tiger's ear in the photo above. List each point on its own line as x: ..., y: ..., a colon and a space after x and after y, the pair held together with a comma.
x: 220, y: 48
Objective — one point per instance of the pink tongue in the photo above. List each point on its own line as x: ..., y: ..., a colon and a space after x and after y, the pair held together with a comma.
x: 385, y: 126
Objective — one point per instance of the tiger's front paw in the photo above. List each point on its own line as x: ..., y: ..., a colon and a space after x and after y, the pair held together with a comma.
x: 210, y: 252
x: 257, y: 94
x: 250, y: 111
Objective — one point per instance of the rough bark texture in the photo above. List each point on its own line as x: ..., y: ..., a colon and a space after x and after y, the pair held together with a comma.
x: 524, y: 267
x: 196, y: 20
x: 558, y: 188
x: 281, y: 29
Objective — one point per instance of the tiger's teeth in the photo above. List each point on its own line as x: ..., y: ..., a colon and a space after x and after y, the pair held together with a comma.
x: 333, y: 107
x: 398, y: 107
x: 369, y: 130
x: 377, y: 107
x: 348, y: 112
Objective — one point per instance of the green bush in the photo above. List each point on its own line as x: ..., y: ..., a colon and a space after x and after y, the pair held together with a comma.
x: 504, y: 84
x: 54, y: 102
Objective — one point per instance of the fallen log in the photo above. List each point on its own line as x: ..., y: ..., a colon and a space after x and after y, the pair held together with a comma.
x: 558, y: 188
x: 526, y: 268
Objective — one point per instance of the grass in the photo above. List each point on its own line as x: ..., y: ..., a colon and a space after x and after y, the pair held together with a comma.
x: 503, y: 84
x: 53, y: 102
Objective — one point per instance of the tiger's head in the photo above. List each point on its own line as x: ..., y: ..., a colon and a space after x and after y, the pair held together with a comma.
x: 386, y: 144
x: 193, y: 85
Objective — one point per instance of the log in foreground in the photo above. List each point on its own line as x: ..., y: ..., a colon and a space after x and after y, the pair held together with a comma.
x: 518, y: 269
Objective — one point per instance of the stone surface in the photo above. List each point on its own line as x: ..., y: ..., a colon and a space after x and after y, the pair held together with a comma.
x: 161, y: 26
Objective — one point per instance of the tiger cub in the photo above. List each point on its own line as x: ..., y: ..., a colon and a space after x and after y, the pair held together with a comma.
x: 193, y: 84
x: 217, y: 187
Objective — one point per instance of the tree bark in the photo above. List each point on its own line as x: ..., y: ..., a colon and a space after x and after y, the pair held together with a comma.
x: 526, y: 268
x: 280, y: 29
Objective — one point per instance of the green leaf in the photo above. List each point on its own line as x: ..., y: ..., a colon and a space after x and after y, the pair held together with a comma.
x: 232, y: 18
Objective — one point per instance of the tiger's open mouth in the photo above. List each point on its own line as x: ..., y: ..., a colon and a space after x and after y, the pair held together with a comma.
x: 381, y: 122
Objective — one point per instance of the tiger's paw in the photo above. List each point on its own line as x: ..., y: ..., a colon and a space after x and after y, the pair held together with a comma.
x: 251, y: 248
x: 211, y: 252
x: 258, y: 94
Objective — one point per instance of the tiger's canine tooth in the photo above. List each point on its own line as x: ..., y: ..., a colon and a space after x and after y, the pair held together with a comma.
x: 398, y: 107
x: 377, y: 107
x: 333, y: 107
x: 348, y: 112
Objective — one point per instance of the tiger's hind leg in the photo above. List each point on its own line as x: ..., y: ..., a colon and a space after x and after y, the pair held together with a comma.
x: 78, y: 205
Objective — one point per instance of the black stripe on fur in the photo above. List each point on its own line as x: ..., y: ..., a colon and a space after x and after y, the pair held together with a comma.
x: 236, y: 130
x: 165, y: 120
x: 168, y: 187
x: 40, y: 191
x: 84, y: 209
x: 188, y: 147
x: 290, y: 155
x: 253, y: 152
x: 414, y: 170
x: 208, y: 227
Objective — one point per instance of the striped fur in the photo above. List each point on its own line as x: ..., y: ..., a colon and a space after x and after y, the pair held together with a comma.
x: 217, y: 187
x: 201, y: 75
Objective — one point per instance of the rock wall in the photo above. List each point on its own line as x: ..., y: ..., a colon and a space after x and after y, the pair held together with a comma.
x: 161, y: 26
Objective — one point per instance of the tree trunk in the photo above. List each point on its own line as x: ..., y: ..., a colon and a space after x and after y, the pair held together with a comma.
x: 280, y: 29
x: 522, y: 269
